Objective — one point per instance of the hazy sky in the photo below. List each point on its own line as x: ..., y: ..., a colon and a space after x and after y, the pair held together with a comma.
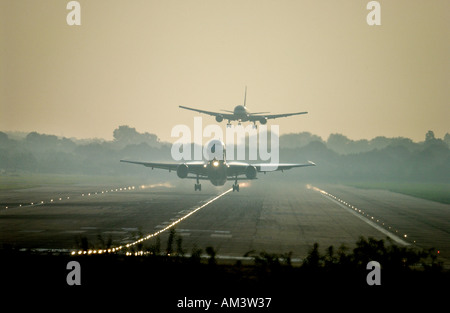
x: 134, y: 62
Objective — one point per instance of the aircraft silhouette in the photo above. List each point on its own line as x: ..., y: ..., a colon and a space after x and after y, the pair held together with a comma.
x: 217, y: 170
x: 242, y: 114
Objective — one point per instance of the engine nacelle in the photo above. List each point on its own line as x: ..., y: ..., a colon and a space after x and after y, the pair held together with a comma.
x: 219, y: 118
x: 182, y: 170
x: 263, y: 121
x: 250, y: 172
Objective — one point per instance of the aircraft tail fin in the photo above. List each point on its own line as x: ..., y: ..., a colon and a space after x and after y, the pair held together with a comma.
x: 245, y: 97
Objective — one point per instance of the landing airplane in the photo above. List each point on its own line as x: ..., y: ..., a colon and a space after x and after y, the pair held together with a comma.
x: 241, y: 114
x: 218, y: 170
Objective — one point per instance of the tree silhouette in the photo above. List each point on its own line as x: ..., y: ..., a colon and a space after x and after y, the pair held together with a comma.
x: 196, y: 255
x: 170, y: 240
x: 429, y: 136
x: 125, y: 135
x: 212, y: 255
x: 155, y: 249
x: 180, y: 251
x: 313, y: 260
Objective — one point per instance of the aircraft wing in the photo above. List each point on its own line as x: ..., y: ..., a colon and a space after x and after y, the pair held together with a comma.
x: 272, y: 116
x: 164, y: 166
x: 239, y: 168
x: 226, y: 116
x: 269, y: 167
x: 193, y: 167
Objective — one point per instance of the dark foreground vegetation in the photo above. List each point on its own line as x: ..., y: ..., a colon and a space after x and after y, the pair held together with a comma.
x: 333, y: 275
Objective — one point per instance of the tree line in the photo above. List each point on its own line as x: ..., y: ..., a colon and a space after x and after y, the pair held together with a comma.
x: 338, y: 157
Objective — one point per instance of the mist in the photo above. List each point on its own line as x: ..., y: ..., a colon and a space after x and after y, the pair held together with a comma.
x: 338, y: 158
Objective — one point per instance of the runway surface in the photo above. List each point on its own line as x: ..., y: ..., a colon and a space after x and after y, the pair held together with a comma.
x: 263, y: 216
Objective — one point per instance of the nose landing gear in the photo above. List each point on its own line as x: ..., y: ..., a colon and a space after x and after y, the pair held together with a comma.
x: 236, y: 185
x: 198, y: 186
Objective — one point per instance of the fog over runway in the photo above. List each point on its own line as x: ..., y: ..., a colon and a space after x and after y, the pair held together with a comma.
x: 263, y: 216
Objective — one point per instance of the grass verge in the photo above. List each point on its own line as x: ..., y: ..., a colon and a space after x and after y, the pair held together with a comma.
x: 439, y: 192
x: 28, y: 180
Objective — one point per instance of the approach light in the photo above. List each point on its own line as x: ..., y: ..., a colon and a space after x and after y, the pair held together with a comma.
x: 216, y: 163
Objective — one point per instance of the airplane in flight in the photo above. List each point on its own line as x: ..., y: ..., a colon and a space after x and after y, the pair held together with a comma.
x: 242, y: 114
x: 217, y: 170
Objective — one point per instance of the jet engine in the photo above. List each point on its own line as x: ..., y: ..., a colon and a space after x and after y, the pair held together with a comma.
x: 219, y: 118
x: 263, y: 121
x: 182, y: 170
x: 250, y: 172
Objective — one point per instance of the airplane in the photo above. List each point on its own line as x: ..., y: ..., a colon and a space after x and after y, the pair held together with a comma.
x: 241, y: 114
x: 217, y: 170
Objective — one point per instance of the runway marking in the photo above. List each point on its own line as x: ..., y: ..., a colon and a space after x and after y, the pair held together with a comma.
x: 181, y: 230
x: 129, y: 229
x: 222, y: 231
x: 116, y: 249
x: 31, y: 231
x: 73, y: 231
x: 115, y: 232
x: 221, y: 236
x: 360, y: 214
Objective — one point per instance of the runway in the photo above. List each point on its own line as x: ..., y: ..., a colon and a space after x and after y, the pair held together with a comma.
x: 263, y: 216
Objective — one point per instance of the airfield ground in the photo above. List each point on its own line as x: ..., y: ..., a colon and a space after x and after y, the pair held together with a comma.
x: 263, y: 216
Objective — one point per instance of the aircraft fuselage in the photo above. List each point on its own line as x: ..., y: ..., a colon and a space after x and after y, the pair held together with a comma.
x: 241, y: 113
x: 217, y: 172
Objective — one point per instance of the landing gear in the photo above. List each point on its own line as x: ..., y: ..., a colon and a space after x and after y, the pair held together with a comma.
x: 236, y: 185
x: 198, y: 186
